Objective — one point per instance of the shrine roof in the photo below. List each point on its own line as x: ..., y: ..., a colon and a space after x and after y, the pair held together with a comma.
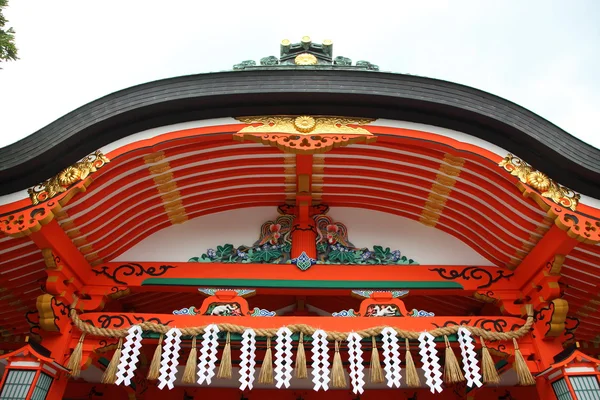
x: 328, y: 90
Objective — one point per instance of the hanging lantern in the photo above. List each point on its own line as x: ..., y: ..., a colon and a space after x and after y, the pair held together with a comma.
x: 575, y: 377
x: 29, y: 373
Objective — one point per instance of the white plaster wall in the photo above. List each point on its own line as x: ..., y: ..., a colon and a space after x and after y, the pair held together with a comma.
x: 365, y: 228
x: 192, y: 238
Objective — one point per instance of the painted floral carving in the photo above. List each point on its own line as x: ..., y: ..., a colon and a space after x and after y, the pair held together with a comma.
x: 273, y: 246
x: 333, y: 247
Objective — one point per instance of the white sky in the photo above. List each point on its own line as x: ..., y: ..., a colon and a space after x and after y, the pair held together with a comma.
x: 543, y: 55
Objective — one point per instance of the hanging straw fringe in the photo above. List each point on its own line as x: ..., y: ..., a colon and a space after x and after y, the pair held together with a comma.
x: 338, y: 376
x: 225, y: 366
x: 376, y: 371
x: 75, y: 360
x: 301, y: 372
x: 266, y: 370
x: 110, y: 373
x: 189, y: 373
x: 452, y: 371
x: 524, y: 376
x: 412, y: 376
x: 154, y: 370
x: 490, y: 375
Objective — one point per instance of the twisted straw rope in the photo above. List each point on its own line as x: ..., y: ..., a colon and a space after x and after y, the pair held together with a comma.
x: 307, y: 330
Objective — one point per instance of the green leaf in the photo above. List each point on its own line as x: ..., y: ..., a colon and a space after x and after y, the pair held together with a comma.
x: 381, y: 253
x: 286, y: 248
x: 202, y: 259
x: 266, y: 255
x: 223, y: 252
x: 321, y: 247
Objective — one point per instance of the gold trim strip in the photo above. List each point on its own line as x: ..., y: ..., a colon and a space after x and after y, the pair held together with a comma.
x: 441, y: 189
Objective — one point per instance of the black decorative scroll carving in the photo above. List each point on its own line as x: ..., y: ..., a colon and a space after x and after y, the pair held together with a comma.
x: 571, y: 326
x: 131, y: 269
x: 475, y: 273
x: 493, y: 325
x: 60, y: 309
x: 117, y: 321
x: 33, y: 318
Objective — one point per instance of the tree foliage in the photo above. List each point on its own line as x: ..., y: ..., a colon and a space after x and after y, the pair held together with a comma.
x: 8, y: 50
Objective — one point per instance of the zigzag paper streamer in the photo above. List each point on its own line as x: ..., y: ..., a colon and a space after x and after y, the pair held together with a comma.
x: 129, y: 356
x: 357, y: 376
x: 431, y: 362
x: 247, y: 359
x: 469, y: 357
x: 283, y: 358
x: 391, y: 357
x: 208, y: 354
x: 170, y: 358
x: 320, y: 361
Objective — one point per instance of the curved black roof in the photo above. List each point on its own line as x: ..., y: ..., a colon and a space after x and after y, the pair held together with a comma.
x: 300, y: 90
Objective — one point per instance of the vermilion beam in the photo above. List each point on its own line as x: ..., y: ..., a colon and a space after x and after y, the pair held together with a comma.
x: 554, y: 242
x: 150, y: 275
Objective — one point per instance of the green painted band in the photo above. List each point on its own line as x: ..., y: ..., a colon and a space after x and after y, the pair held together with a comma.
x: 301, y: 284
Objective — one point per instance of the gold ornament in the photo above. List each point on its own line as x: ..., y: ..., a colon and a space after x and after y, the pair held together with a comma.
x: 305, y: 124
x: 547, y: 187
x: 305, y: 134
x: 305, y: 59
x: 290, y: 124
x: 538, y: 181
x: 69, y: 176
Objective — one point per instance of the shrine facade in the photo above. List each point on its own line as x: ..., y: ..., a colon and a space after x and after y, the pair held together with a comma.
x: 304, y: 227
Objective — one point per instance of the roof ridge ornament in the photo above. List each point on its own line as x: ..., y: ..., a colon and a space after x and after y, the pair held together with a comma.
x: 306, y: 53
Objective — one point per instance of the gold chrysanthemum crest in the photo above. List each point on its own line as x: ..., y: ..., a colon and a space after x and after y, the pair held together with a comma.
x: 541, y: 182
x: 305, y: 134
x: 305, y: 59
x: 305, y: 124
x: 67, y: 177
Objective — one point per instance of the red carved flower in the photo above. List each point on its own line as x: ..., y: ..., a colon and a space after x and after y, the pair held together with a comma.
x: 332, y: 231
x: 275, y: 233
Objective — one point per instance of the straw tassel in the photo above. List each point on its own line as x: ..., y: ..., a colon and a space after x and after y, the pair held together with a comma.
x: 490, y: 375
x: 189, y: 373
x: 110, y: 374
x: 75, y: 360
x: 524, y: 376
x: 154, y: 370
x: 452, y: 371
x: 225, y: 366
x: 301, y: 372
x: 376, y: 371
x: 412, y: 376
x: 338, y: 376
x: 266, y: 370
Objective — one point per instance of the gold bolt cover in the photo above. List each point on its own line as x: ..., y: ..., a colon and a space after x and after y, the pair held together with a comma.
x: 305, y: 39
x: 305, y: 59
x: 285, y: 42
x: 327, y: 42
x: 305, y: 124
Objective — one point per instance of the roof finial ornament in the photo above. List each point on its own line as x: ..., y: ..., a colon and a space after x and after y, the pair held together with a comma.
x: 305, y: 54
